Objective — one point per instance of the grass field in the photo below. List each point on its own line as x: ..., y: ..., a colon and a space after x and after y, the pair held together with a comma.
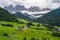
x: 13, y: 33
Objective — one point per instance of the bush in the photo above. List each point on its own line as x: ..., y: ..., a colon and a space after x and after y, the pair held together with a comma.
x: 14, y: 33
x: 5, y: 34
x: 44, y: 38
x: 33, y: 38
x: 24, y: 38
x: 50, y: 27
x: 37, y: 38
x: 30, y: 24
x: 20, y: 22
x: 39, y: 28
x: 38, y: 25
x: 57, y: 34
x: 10, y: 25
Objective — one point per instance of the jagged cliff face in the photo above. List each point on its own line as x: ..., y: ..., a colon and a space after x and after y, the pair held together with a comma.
x: 19, y: 8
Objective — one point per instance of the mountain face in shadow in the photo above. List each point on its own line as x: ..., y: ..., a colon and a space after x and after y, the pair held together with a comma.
x: 52, y: 18
x: 24, y: 16
x: 6, y: 16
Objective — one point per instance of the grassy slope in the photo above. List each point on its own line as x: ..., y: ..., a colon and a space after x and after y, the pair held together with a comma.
x: 28, y: 33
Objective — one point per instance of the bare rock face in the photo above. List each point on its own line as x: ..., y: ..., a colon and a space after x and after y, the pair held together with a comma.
x: 34, y: 9
x: 19, y: 8
x: 9, y: 8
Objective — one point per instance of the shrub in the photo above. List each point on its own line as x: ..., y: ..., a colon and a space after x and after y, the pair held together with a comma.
x: 37, y: 38
x: 33, y: 38
x: 5, y: 34
x: 30, y: 24
x: 24, y: 38
x: 14, y: 33
x: 38, y: 25
x: 50, y: 27
x: 57, y: 34
x: 20, y: 22
x: 10, y: 25
x: 44, y: 38
x: 47, y: 33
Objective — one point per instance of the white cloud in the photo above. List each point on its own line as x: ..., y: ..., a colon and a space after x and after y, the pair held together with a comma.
x: 5, y: 2
x: 40, y: 3
x: 55, y: 5
x: 56, y: 1
x: 28, y: 3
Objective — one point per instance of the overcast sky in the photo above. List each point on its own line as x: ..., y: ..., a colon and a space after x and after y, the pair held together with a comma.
x: 28, y: 3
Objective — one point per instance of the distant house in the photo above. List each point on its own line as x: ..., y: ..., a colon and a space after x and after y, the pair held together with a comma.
x: 25, y: 27
x: 58, y: 29
x: 20, y: 28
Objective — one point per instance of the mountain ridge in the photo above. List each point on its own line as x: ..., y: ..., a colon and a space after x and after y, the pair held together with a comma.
x: 19, y: 8
x: 51, y: 17
x: 24, y: 16
x: 6, y: 16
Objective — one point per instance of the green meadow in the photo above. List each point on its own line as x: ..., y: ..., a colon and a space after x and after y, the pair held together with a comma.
x: 20, y: 31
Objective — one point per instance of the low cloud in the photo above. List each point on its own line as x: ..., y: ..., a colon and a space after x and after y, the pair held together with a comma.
x: 28, y: 3
x: 56, y: 1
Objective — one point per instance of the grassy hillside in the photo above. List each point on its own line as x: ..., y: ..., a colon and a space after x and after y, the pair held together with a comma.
x: 24, y: 16
x: 52, y: 18
x: 21, y: 31
x: 6, y: 16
